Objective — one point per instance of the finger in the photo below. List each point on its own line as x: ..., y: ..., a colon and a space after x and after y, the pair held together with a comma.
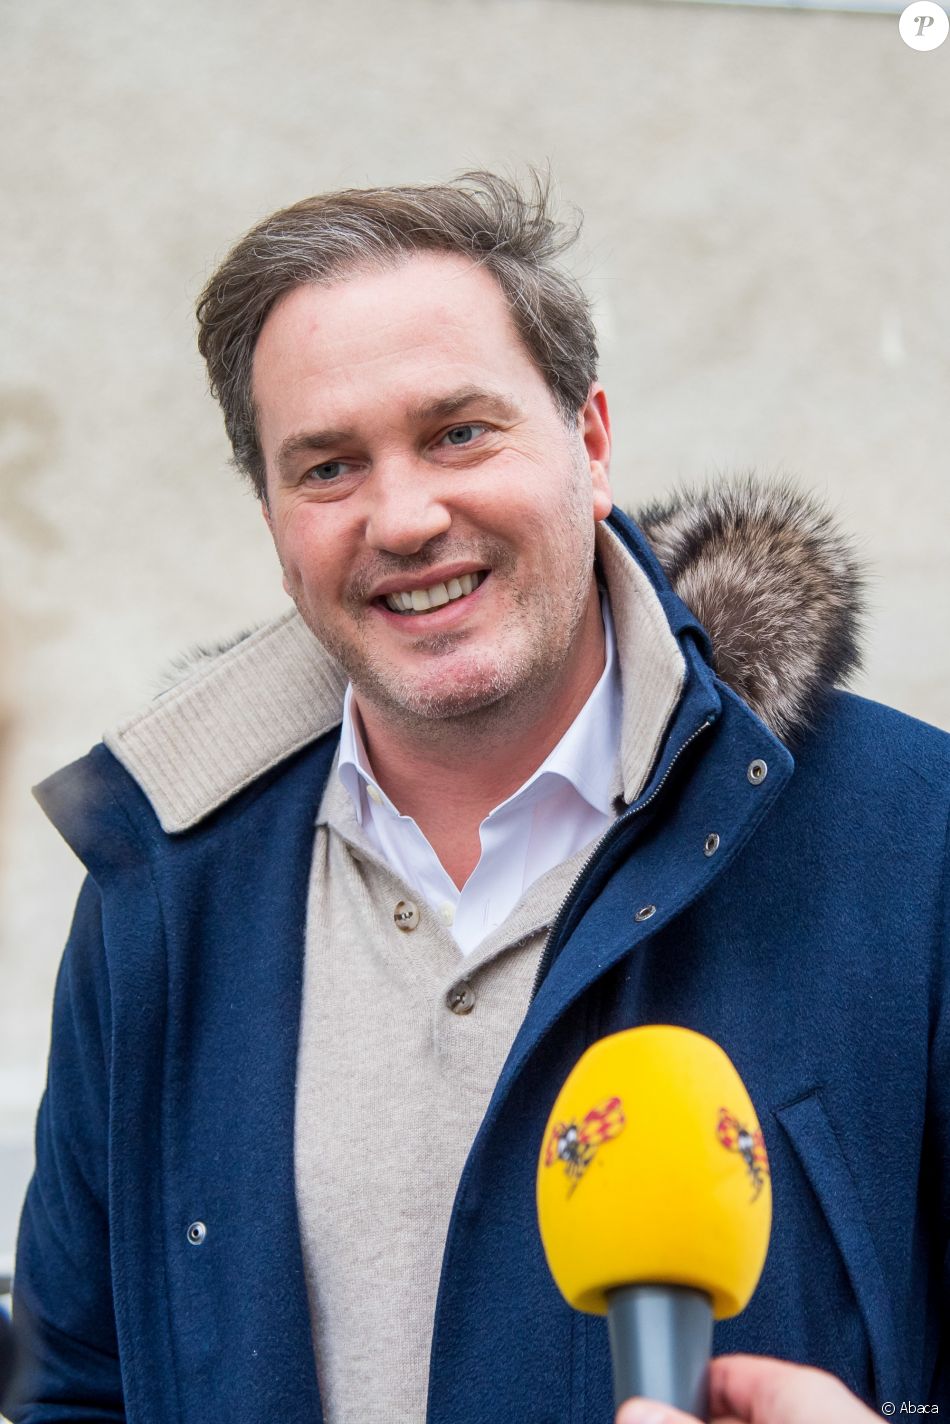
x: 765, y: 1391
x: 647, y: 1411
x: 744, y: 1386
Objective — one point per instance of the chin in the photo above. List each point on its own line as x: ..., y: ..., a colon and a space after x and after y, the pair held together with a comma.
x: 446, y: 694
x: 442, y: 704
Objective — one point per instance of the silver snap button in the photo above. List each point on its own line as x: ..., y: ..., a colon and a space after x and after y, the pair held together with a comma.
x: 758, y: 771
x: 711, y: 844
x: 196, y: 1233
x: 461, y: 998
x: 406, y: 915
x: 645, y: 913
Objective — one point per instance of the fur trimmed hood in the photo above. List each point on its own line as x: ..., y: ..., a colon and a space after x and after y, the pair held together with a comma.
x: 765, y: 570
x: 774, y: 583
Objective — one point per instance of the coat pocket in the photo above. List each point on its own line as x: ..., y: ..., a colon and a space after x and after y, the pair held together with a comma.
x: 814, y: 1143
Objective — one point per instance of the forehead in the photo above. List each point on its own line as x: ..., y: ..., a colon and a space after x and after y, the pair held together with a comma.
x: 408, y: 332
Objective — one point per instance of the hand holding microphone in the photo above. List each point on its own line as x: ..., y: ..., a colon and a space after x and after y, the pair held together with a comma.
x: 654, y: 1203
x: 748, y: 1389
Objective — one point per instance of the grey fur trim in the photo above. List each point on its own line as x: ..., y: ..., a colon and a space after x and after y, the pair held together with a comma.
x: 775, y: 584
x: 185, y: 663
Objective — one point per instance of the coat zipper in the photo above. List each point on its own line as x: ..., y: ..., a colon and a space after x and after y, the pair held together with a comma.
x: 608, y: 837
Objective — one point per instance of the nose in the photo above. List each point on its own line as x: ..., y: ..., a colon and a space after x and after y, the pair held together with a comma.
x: 405, y: 508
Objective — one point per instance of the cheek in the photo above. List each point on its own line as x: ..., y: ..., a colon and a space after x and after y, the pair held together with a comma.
x: 306, y: 553
x: 312, y: 578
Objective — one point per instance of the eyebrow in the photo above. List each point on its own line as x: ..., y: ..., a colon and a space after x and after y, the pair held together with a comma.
x: 505, y: 406
x: 312, y: 441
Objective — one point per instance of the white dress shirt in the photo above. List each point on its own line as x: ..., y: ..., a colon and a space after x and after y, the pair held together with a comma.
x: 565, y: 804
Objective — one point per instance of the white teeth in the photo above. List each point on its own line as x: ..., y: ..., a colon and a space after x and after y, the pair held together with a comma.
x: 420, y: 600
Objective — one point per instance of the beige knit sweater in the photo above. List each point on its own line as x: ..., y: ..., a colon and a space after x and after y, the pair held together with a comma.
x: 392, y: 1083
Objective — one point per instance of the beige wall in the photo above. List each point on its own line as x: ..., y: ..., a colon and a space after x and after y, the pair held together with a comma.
x: 768, y: 215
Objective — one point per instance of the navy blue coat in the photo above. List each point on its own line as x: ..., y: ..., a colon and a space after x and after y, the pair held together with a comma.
x: 813, y: 946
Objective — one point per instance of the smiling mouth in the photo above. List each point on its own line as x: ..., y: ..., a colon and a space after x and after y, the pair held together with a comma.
x: 412, y: 601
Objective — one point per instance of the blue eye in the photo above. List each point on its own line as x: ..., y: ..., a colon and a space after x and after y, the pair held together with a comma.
x: 462, y: 434
x: 328, y: 471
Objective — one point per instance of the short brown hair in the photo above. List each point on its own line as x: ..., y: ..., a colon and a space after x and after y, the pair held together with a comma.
x: 479, y: 215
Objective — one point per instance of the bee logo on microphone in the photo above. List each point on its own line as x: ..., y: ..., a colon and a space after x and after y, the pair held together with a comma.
x: 749, y: 1145
x: 576, y: 1144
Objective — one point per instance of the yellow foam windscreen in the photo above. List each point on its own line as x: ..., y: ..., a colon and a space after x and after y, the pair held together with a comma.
x: 653, y: 1171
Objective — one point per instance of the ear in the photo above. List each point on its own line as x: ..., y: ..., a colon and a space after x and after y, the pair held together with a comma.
x: 594, y: 421
x: 270, y: 529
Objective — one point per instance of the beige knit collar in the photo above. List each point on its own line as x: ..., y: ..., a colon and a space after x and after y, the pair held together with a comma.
x: 236, y: 715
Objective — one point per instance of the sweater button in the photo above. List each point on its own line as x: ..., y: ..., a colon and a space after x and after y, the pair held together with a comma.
x: 406, y: 915
x: 757, y: 771
x: 196, y: 1233
x: 461, y: 998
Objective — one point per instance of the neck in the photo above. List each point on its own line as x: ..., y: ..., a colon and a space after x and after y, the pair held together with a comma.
x: 450, y: 774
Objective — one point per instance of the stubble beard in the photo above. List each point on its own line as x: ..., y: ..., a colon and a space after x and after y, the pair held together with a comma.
x: 507, y: 690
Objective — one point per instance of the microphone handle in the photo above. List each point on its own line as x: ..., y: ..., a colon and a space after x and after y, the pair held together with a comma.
x: 661, y: 1345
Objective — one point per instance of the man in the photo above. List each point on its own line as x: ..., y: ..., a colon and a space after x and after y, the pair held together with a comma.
x: 364, y: 885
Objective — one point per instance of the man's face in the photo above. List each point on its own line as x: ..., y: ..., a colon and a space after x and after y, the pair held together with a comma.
x: 414, y: 454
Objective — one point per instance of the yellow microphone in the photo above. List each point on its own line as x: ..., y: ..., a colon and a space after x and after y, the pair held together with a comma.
x: 655, y: 1203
